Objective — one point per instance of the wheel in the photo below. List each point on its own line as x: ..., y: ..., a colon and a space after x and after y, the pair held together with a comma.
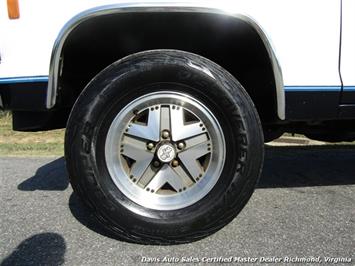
x: 164, y: 147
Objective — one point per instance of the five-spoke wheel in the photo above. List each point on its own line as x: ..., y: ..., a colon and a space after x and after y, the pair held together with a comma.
x: 165, y: 150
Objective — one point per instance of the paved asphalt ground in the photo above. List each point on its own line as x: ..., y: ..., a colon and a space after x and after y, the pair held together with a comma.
x: 304, y: 206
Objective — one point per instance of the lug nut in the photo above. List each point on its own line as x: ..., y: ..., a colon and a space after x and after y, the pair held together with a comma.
x: 150, y: 146
x: 175, y: 163
x: 156, y: 164
x: 165, y: 134
x: 181, y: 145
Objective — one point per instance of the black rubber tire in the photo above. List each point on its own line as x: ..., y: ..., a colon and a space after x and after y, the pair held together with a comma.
x: 143, y: 73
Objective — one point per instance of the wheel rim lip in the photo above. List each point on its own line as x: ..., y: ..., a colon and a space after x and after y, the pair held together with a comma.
x: 156, y: 201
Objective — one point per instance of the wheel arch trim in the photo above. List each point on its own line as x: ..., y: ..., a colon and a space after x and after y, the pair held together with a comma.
x: 55, y: 62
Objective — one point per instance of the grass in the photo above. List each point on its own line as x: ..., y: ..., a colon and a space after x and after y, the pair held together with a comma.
x: 42, y: 143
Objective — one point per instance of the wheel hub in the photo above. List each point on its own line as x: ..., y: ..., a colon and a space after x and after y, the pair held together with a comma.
x: 166, y: 153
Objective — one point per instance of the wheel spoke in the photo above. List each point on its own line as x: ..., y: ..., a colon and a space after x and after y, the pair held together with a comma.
x: 166, y: 175
x: 195, y: 141
x: 189, y: 159
x: 165, y: 118
x: 151, y: 131
x: 147, y: 176
x: 135, y: 149
x: 179, y: 129
x: 187, y: 181
x: 139, y: 167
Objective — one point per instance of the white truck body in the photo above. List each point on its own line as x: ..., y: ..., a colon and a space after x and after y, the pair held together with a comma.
x: 305, y: 35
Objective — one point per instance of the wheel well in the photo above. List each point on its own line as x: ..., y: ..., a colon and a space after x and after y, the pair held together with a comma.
x: 229, y: 41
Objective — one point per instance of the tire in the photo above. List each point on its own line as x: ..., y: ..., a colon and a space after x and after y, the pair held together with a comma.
x: 160, y: 81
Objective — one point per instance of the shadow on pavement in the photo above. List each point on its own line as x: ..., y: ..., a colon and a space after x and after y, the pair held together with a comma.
x: 51, y: 176
x: 307, y: 166
x: 39, y: 249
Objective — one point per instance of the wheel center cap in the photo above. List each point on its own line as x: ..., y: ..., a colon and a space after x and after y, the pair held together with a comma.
x: 166, y: 153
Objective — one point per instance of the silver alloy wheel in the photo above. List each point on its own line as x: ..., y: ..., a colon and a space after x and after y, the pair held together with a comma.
x: 165, y: 150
